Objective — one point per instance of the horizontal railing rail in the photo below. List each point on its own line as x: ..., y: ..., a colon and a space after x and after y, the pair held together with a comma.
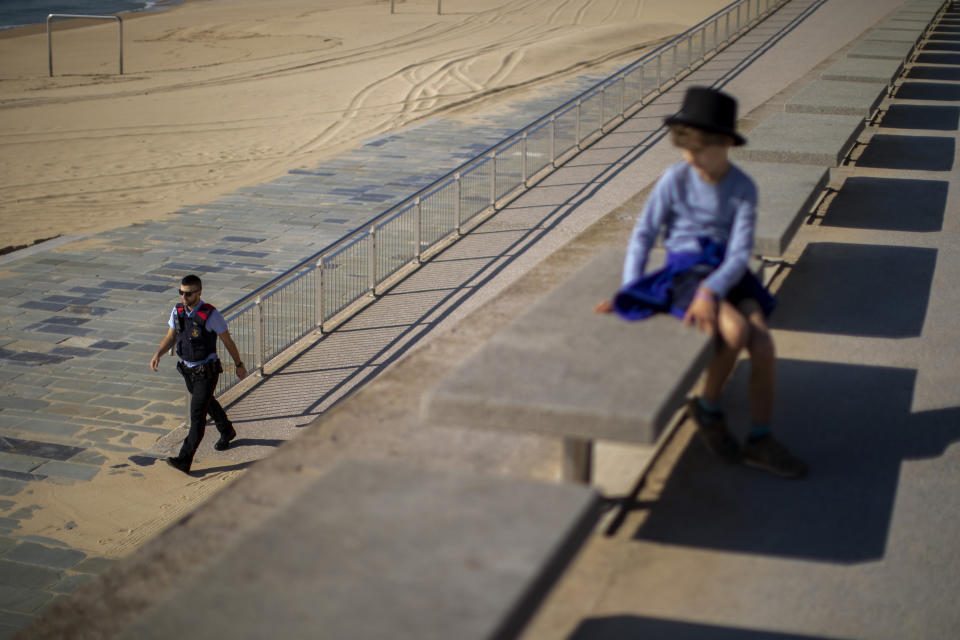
x: 322, y: 290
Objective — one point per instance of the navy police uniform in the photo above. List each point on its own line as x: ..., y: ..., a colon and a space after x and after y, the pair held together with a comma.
x: 199, y: 364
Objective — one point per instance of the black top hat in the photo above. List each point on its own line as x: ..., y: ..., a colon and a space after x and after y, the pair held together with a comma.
x: 709, y: 110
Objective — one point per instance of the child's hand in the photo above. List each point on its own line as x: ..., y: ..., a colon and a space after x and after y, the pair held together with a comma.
x: 702, y: 312
x: 604, y: 307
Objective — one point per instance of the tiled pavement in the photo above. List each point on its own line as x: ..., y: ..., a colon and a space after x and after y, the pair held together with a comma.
x: 83, y: 316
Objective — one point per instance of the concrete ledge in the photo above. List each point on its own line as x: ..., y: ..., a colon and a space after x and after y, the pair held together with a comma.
x: 906, y: 23
x: 870, y: 70
x: 379, y: 550
x: 873, y: 49
x: 881, y: 34
x: 561, y: 369
x: 786, y: 194
x: 801, y: 138
x: 834, y: 97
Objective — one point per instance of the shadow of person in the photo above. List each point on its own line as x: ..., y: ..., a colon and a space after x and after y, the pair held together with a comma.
x: 630, y: 627
x: 256, y: 442
x: 199, y: 473
x: 853, y: 425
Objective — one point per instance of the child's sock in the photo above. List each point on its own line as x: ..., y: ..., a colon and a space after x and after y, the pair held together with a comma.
x: 758, y: 431
x: 708, y: 406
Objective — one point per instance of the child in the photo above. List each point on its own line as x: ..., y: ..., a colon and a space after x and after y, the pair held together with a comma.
x: 707, y: 207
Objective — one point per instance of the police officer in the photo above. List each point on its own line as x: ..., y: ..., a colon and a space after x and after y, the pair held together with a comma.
x: 194, y: 326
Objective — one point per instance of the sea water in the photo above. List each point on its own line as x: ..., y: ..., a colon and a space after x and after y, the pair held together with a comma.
x: 15, y: 13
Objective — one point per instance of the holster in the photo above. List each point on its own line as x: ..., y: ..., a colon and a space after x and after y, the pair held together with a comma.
x: 207, y: 369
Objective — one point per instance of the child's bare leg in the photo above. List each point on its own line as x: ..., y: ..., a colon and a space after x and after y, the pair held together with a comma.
x: 762, y: 363
x: 733, y: 332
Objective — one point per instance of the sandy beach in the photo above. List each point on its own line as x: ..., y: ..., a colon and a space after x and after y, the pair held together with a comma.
x: 221, y: 94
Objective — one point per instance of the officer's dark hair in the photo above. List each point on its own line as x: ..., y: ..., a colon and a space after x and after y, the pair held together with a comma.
x: 191, y: 281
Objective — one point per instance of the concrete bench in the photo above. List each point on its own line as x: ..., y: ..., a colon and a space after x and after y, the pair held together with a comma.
x: 562, y: 370
x: 378, y: 550
x: 875, y: 49
x: 881, y: 34
x: 906, y: 23
x: 801, y: 138
x: 870, y: 70
x: 834, y: 97
x: 786, y: 195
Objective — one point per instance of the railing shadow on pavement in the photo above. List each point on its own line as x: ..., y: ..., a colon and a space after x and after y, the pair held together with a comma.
x: 329, y: 286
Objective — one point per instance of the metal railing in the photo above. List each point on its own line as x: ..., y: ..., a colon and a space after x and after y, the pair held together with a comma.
x: 50, y: 18
x: 326, y: 288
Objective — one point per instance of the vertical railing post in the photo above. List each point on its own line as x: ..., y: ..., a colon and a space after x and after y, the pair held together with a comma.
x: 260, y: 356
x: 493, y: 180
x: 553, y: 140
x: 689, y: 51
x: 603, y: 107
x: 577, y: 130
x: 623, y: 95
x: 418, y: 221
x: 523, y: 159
x: 457, y: 207
x: 372, y: 265
x: 659, y: 71
x: 726, y: 34
x: 319, y: 295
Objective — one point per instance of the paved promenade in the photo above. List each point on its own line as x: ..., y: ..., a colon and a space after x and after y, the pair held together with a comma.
x: 84, y: 315
x: 78, y: 404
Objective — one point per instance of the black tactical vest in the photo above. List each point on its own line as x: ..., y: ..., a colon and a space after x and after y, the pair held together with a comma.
x: 194, y: 341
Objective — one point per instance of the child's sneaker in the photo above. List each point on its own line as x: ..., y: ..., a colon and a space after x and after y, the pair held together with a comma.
x: 768, y: 454
x: 713, y: 430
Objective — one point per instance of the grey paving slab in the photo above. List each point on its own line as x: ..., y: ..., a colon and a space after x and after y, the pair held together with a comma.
x: 838, y: 97
x: 563, y: 370
x: 68, y: 470
x: 821, y: 140
x: 868, y: 70
x: 25, y: 601
x: 29, y: 576
x: 36, y: 554
x: 876, y: 49
x: 892, y: 35
x: 434, y: 555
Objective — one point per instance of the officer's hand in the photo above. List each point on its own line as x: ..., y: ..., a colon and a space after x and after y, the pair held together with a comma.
x: 155, y: 361
x: 241, y: 372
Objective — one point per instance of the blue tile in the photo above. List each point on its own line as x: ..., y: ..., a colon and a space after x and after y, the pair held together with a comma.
x: 88, y: 290
x: 33, y: 358
x: 19, y: 475
x: 43, y: 306
x: 37, y: 449
x: 72, y: 352
x: 69, y: 320
x: 58, y: 299
x: 155, y: 288
x: 242, y: 239
x: 59, y: 328
x: 107, y: 344
x: 115, y: 284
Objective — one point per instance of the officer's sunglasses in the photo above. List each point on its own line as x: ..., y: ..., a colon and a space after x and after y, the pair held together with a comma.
x: 187, y: 293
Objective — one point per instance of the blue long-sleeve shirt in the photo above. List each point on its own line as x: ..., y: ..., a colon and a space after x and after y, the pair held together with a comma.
x: 690, y: 208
